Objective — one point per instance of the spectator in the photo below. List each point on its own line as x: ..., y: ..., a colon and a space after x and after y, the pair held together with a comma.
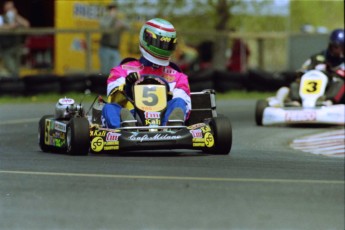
x: 109, y: 54
x: 10, y: 45
x: 239, y: 56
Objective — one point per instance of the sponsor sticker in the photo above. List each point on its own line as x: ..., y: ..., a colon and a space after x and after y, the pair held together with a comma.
x: 112, y: 147
x: 46, y: 132
x: 156, y: 137
x: 59, y: 126
x: 300, y: 115
x: 169, y: 71
x: 209, y: 140
x: 59, y: 142
x: 111, y: 143
x: 197, y: 133
x: 97, y: 144
x: 150, y: 122
x: 66, y: 101
x: 111, y: 137
x: 98, y: 133
x: 198, y: 144
x: 169, y: 78
x: 196, y: 126
x: 152, y: 115
x: 199, y: 140
x: 206, y: 129
x: 131, y: 68
x: 58, y: 134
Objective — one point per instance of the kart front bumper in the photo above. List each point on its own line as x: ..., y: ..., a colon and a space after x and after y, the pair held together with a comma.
x: 332, y: 115
x: 106, y: 140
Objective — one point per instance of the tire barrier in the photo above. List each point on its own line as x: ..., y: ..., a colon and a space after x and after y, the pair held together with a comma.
x: 98, y: 84
x: 226, y: 81
x: 252, y: 80
x: 201, y: 80
x: 45, y: 83
x: 11, y: 86
x: 221, y: 81
x: 74, y: 83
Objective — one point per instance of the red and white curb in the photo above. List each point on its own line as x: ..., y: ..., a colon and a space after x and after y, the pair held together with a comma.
x: 330, y: 144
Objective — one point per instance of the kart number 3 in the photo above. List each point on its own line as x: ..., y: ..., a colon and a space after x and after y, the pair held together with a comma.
x: 311, y: 86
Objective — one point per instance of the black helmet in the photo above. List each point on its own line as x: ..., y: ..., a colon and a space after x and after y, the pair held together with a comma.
x: 337, y: 37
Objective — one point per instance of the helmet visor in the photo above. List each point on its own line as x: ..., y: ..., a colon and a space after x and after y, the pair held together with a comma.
x: 161, y: 42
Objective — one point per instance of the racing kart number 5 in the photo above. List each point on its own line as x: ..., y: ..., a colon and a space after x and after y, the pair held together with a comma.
x: 150, y: 97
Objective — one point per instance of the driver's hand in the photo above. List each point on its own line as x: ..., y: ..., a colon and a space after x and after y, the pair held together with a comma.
x: 132, y: 77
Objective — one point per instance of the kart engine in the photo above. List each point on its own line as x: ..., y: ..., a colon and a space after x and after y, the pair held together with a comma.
x: 66, y: 108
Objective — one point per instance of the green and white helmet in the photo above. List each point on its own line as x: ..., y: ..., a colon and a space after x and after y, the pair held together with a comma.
x: 157, y: 41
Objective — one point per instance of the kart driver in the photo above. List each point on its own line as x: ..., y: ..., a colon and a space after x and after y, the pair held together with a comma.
x: 330, y: 61
x: 157, y: 43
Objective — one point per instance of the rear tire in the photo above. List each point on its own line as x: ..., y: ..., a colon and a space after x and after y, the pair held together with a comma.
x: 78, y: 136
x: 222, y: 135
x: 42, y: 136
x: 259, y: 111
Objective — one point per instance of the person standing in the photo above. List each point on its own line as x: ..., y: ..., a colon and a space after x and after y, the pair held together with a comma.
x: 109, y: 54
x: 240, y: 52
x: 10, y: 45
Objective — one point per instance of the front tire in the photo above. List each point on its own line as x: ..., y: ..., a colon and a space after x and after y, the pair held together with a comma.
x: 78, y: 136
x: 259, y: 111
x: 222, y: 135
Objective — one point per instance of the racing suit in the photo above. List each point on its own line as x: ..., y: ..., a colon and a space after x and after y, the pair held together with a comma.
x: 335, y: 69
x: 116, y: 87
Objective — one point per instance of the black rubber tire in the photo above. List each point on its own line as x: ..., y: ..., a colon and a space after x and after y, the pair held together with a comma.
x: 259, y: 111
x: 78, y: 136
x: 98, y: 84
x: 11, y: 86
x: 41, y: 135
x: 36, y: 84
x: 222, y: 134
x: 73, y: 83
x: 225, y: 81
x: 200, y: 80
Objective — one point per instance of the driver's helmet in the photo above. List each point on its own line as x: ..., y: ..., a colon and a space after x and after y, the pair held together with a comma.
x: 337, y: 37
x: 157, y: 41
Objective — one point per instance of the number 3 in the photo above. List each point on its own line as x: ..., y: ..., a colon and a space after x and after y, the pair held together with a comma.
x: 312, y: 87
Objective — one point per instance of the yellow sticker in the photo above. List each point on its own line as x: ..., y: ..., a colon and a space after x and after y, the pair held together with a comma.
x: 209, y: 140
x: 150, y: 97
x: 46, y: 132
x: 97, y: 144
x: 311, y: 86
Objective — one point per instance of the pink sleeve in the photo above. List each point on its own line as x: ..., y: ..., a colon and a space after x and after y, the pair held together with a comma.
x: 116, y: 73
x: 183, y: 83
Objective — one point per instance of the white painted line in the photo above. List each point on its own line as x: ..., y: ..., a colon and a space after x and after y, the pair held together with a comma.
x: 328, y: 144
x: 320, y: 139
x: 248, y: 180
x: 310, y: 146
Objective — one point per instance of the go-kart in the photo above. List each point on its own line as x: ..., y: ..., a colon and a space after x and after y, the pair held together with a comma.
x: 74, y: 131
x: 312, y: 108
